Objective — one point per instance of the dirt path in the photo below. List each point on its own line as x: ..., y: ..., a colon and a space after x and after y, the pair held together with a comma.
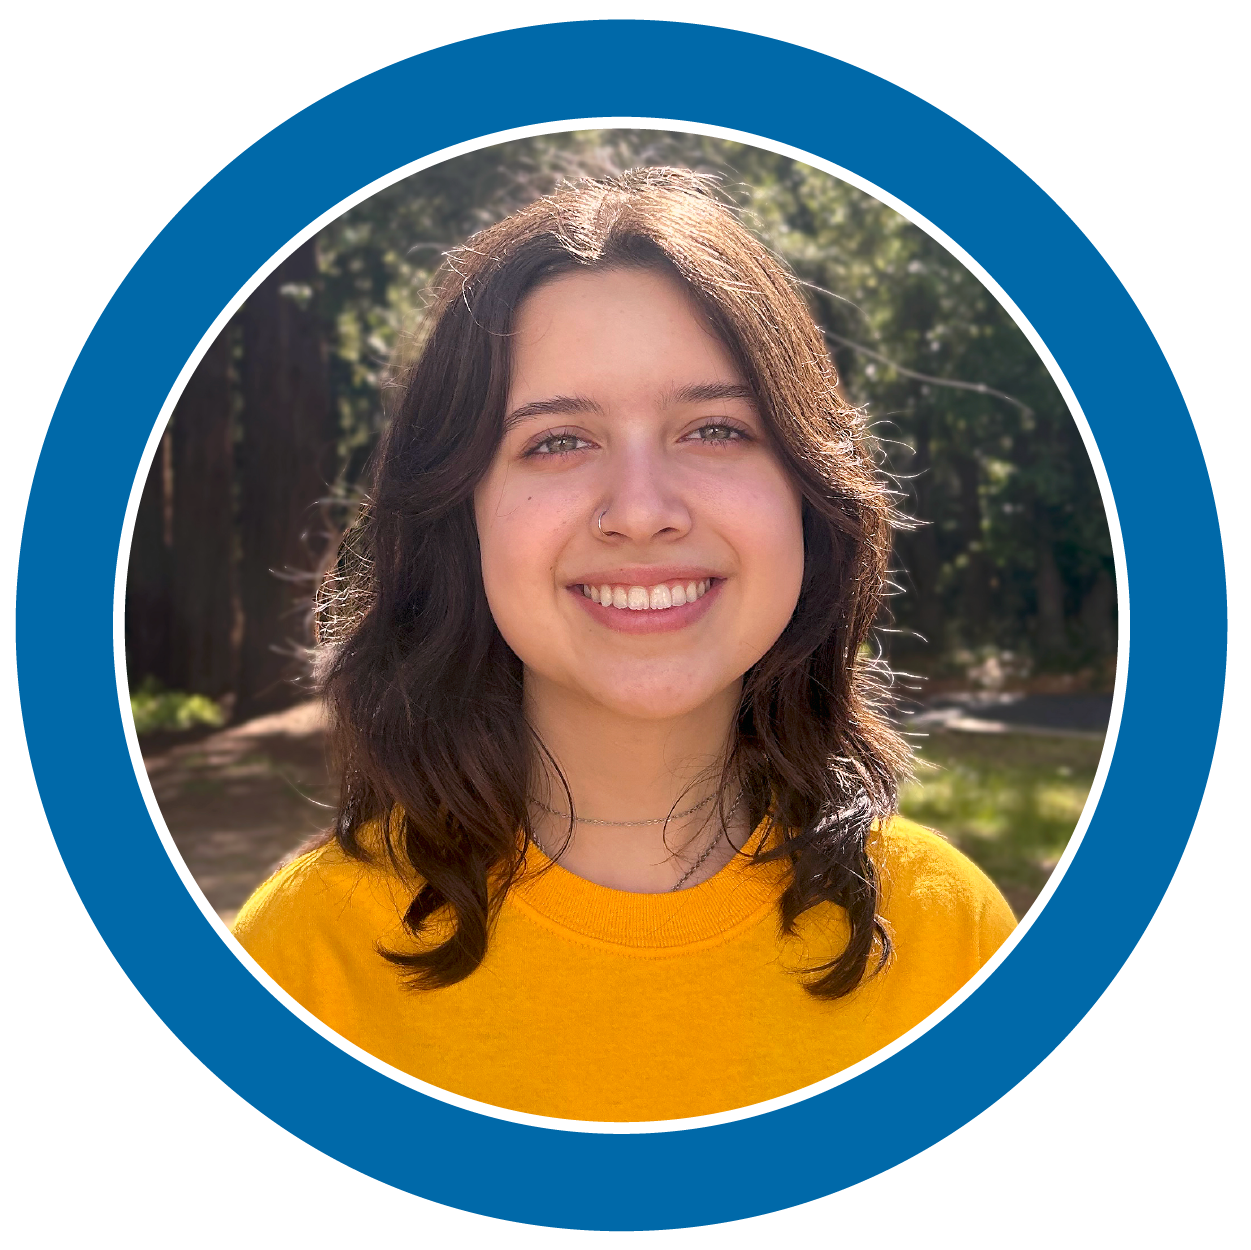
x: 238, y: 800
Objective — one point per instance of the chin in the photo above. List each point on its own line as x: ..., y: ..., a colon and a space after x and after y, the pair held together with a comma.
x: 663, y: 699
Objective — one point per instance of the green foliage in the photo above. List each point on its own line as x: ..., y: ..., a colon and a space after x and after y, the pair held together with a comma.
x: 1013, y: 550
x: 155, y: 708
x: 998, y: 475
x: 1008, y: 801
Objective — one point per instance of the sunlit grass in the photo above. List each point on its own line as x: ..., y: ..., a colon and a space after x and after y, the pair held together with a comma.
x: 1008, y: 801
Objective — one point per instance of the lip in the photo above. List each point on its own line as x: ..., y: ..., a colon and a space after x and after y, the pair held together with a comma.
x: 653, y: 621
x: 644, y: 575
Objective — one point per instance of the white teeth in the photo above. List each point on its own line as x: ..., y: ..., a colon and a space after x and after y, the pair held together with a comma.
x: 644, y: 598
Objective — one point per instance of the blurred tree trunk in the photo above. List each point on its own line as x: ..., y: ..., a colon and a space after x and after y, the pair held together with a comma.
x: 1049, y: 588
x: 926, y: 562
x: 286, y: 463
x: 977, y: 570
x: 202, y: 579
x: 148, y: 577
x: 1098, y: 614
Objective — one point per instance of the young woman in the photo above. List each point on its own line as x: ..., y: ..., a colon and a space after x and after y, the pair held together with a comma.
x: 617, y: 836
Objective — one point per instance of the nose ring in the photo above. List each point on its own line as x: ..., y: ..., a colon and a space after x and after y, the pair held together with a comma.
x: 600, y: 523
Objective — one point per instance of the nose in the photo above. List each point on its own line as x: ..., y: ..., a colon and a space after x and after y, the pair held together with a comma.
x: 643, y: 501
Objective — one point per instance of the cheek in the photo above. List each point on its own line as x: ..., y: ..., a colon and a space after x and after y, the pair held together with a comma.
x: 497, y: 542
x: 766, y: 519
x: 507, y: 549
x: 520, y: 535
x: 782, y: 579
x: 766, y: 524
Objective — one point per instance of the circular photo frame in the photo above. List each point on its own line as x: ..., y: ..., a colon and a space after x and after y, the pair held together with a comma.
x: 302, y: 174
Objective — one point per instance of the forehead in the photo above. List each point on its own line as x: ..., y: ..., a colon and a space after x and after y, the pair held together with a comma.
x: 615, y: 329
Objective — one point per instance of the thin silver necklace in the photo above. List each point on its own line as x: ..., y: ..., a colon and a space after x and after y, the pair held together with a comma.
x: 655, y: 820
x: 697, y: 865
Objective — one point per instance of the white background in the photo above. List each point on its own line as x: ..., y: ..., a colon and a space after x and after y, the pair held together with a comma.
x: 1128, y: 115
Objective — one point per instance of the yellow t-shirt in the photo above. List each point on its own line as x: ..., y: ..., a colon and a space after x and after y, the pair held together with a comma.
x: 600, y: 1004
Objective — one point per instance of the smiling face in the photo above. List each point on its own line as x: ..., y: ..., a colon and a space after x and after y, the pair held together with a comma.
x: 642, y: 544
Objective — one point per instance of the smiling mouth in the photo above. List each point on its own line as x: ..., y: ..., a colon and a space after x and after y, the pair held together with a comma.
x: 648, y: 598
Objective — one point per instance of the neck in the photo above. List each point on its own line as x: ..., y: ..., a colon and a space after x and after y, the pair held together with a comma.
x: 625, y: 769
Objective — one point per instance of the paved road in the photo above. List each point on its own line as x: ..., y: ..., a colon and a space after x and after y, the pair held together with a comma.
x: 1001, y: 712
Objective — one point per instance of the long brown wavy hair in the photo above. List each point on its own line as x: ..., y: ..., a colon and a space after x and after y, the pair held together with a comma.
x: 424, y: 696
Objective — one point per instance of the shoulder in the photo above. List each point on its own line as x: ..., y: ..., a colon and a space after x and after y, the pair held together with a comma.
x: 927, y: 883
x: 923, y: 858
x: 320, y: 897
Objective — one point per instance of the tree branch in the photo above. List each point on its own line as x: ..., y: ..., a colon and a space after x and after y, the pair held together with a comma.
x: 979, y: 388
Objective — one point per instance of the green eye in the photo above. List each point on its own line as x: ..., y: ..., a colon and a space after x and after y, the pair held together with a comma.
x: 557, y: 445
x: 718, y: 433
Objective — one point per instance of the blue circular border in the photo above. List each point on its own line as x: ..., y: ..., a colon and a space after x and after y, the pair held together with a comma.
x: 312, y: 163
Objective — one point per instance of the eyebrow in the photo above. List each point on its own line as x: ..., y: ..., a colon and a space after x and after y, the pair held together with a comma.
x: 705, y: 392
x: 557, y: 406
x: 571, y: 405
